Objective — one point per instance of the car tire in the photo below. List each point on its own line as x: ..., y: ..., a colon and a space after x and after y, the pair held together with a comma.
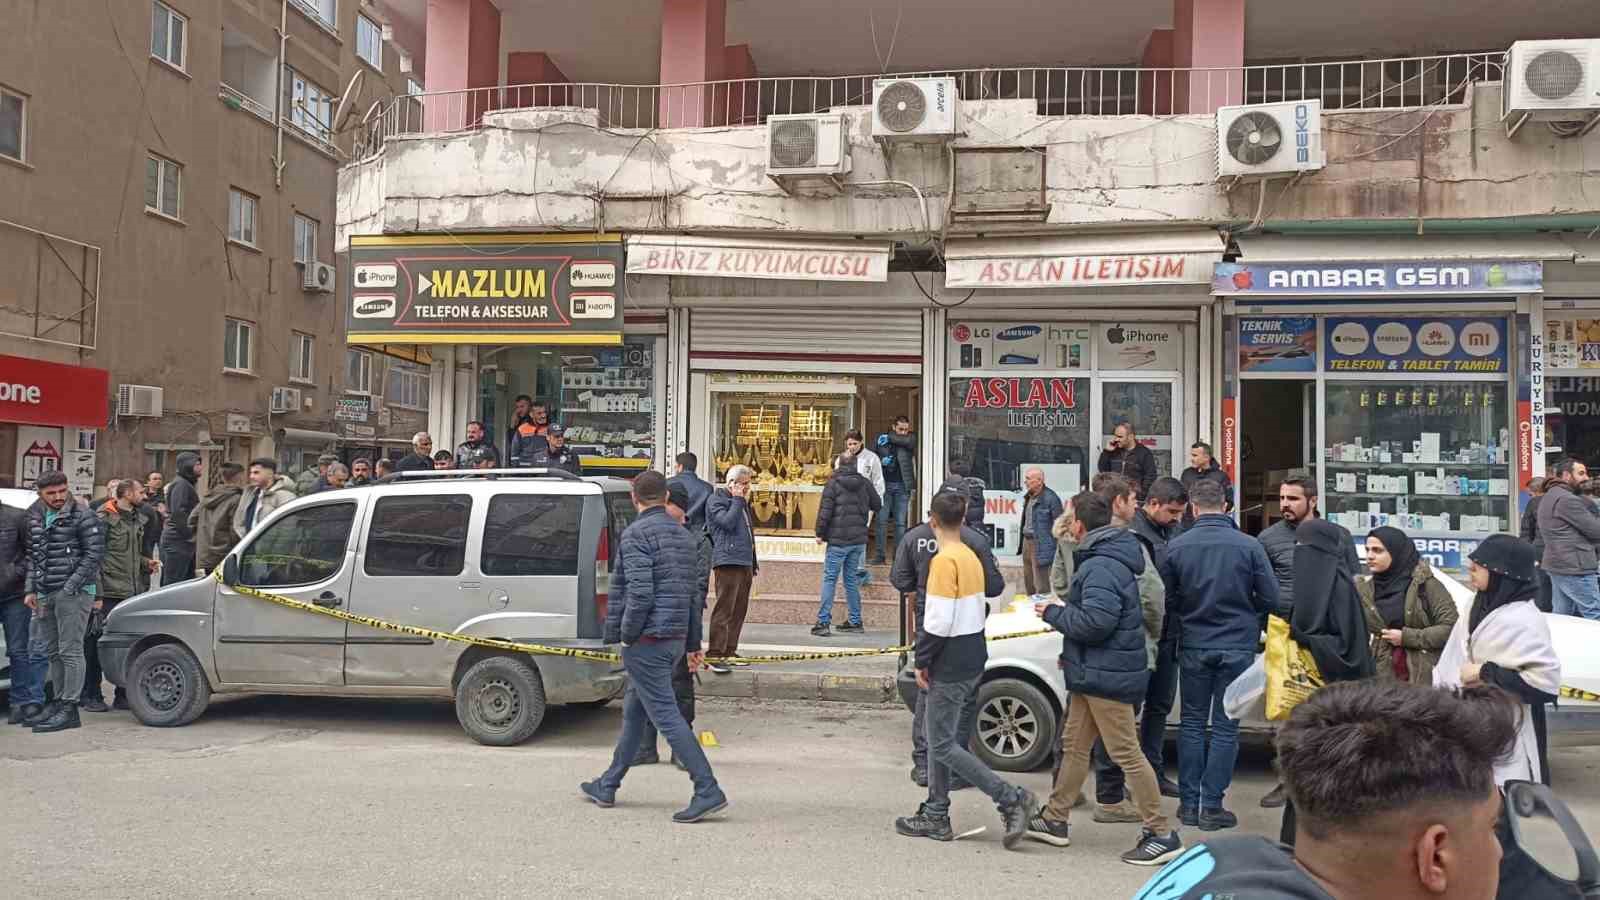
x: 500, y: 701
x: 166, y: 686
x: 1016, y: 725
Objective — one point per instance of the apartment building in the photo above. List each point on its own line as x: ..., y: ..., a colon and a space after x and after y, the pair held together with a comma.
x: 168, y: 278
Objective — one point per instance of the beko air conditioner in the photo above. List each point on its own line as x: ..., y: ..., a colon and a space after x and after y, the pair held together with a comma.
x: 1552, y: 81
x: 914, y: 109
x: 1267, y: 139
x: 807, y: 145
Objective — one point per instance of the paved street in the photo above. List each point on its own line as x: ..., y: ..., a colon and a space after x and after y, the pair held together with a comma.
x: 292, y: 797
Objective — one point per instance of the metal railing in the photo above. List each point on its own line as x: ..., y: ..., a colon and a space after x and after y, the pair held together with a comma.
x: 237, y: 99
x: 1372, y: 84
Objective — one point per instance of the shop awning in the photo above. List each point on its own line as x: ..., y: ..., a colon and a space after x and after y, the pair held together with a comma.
x: 1390, y: 265
x: 305, y: 436
x: 797, y: 260
x: 1272, y: 248
x: 1184, y: 256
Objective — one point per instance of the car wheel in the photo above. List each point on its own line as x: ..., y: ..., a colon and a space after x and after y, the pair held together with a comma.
x: 166, y: 686
x: 1016, y: 725
x: 500, y: 701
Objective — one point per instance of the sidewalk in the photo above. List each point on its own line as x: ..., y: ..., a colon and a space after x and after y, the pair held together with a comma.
x: 861, y: 679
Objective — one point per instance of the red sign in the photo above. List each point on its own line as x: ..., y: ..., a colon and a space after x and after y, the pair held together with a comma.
x: 1230, y: 439
x: 1020, y: 393
x: 1524, y: 442
x: 33, y: 392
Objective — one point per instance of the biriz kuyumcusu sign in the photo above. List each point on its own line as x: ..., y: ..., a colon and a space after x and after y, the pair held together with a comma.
x: 485, y: 289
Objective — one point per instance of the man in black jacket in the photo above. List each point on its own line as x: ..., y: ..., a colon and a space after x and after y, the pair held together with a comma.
x: 1203, y: 467
x: 848, y: 502
x: 1530, y: 533
x: 27, y: 682
x: 683, y: 676
x: 65, y: 546
x: 554, y: 452
x: 898, y: 448
x: 910, y: 577
x: 177, y: 540
x: 1132, y: 460
x: 420, y: 459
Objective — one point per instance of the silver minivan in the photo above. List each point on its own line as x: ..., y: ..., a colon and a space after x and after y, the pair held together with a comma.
x: 515, y: 554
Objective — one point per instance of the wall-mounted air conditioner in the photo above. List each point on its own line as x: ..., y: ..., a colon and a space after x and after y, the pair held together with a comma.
x: 1552, y: 81
x: 285, y: 400
x: 914, y: 109
x: 807, y: 145
x: 139, y: 400
x: 1268, y: 139
x: 317, y: 277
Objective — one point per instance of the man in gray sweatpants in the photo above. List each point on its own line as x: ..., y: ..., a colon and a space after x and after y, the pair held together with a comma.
x: 65, y: 547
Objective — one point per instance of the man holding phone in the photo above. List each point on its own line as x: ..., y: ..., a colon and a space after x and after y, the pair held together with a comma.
x: 732, y: 526
x: 1125, y: 456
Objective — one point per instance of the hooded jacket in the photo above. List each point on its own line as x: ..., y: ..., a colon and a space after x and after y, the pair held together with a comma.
x: 1103, y: 645
x: 1220, y: 585
x: 64, y: 556
x: 122, y: 571
x: 212, y: 524
x: 182, y: 498
x: 848, y: 502
x: 279, y: 492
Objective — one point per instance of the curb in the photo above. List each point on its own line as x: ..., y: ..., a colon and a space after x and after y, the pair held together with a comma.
x: 812, y: 686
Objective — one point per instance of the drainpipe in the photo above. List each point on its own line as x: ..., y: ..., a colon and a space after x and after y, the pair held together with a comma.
x: 277, y: 100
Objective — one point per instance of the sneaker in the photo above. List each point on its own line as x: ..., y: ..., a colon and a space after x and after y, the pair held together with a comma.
x: 1016, y: 816
x: 64, y: 718
x: 1189, y: 815
x: 94, y: 705
x: 1169, y: 788
x: 702, y: 807
x: 22, y: 711
x: 1154, y: 850
x: 865, y: 576
x: 919, y: 775
x: 1048, y: 831
x: 718, y: 668
x: 821, y: 630
x: 34, y: 713
x: 852, y: 627
x: 923, y: 825
x: 1217, y: 819
x: 1275, y: 798
x: 603, y: 798
x: 120, y: 701
x: 739, y: 664
x: 1117, y: 813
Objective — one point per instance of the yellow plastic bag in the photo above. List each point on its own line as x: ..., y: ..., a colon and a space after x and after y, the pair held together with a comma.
x: 1291, y: 671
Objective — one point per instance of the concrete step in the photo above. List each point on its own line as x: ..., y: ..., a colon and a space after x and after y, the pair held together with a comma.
x: 801, y: 609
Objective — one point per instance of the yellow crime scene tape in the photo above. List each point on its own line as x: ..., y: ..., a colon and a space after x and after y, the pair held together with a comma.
x: 570, y: 652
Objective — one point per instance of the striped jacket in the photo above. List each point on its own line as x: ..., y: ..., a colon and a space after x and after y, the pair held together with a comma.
x: 950, y: 642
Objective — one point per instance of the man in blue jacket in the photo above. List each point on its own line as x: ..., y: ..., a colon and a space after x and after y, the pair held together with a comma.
x: 698, y: 489
x: 652, y: 598
x: 683, y: 675
x: 1040, y: 509
x: 1107, y: 670
x: 1219, y: 586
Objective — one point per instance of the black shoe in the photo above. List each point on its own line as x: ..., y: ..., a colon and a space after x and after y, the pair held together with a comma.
x: 646, y: 758
x: 1048, y: 831
x: 923, y: 825
x: 1275, y: 798
x: 718, y: 669
x: 919, y: 775
x: 1189, y: 815
x: 605, y: 799
x: 36, y: 713
x: 701, y: 807
x: 821, y: 630
x: 1154, y: 849
x: 64, y: 718
x: 1016, y: 815
x: 1217, y: 819
x: 22, y: 711
x: 856, y: 628
x: 120, y: 701
x: 1169, y: 788
x: 94, y: 705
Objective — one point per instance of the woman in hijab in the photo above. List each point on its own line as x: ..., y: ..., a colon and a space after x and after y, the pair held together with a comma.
x: 1506, y: 642
x: 1409, y: 612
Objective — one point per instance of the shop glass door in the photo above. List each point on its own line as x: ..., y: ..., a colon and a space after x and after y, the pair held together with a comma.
x: 1151, y: 406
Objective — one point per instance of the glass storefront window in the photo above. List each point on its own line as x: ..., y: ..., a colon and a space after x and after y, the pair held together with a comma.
x: 1147, y: 405
x: 790, y: 440
x: 1000, y: 425
x: 1425, y: 456
x: 605, y: 396
x: 1572, y: 419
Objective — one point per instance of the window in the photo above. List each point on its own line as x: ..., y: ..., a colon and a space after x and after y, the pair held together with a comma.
x: 163, y: 185
x: 310, y: 107
x: 369, y: 42
x: 358, y: 371
x: 303, y: 547
x: 325, y: 12
x: 532, y: 534
x: 302, y: 348
x: 419, y: 536
x: 167, y: 30
x: 13, y: 124
x: 241, y: 217
x: 407, y: 386
x: 413, y: 87
x: 236, y: 348
x: 305, y: 239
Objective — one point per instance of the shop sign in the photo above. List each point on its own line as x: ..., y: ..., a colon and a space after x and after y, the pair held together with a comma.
x: 742, y: 259
x: 1422, y: 346
x: 1449, y: 554
x: 35, y: 392
x: 354, y: 431
x: 238, y: 423
x: 1140, y: 345
x: 38, y: 452
x: 1014, y: 345
x: 80, y: 472
x: 352, y: 409
x: 1230, y: 439
x: 1572, y: 340
x: 1378, y: 278
x: 1278, y: 344
x: 1028, y: 402
x: 1078, y: 271
x: 517, y: 289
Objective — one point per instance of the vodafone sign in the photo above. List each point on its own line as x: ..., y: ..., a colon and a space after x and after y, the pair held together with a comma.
x: 33, y: 392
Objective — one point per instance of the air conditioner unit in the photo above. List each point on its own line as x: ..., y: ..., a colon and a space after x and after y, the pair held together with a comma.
x: 138, y: 400
x: 285, y: 400
x: 1553, y: 81
x: 914, y: 108
x: 317, y: 277
x: 808, y: 145
x: 1270, y: 139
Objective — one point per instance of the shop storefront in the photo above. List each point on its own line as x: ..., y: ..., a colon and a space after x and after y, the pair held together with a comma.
x: 49, y: 419
x: 1399, y: 386
x: 1571, y: 395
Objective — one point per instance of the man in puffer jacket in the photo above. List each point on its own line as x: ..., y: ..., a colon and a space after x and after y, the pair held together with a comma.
x: 1106, y: 669
x: 848, y: 503
x: 652, y: 590
x: 177, y: 539
x: 65, y: 546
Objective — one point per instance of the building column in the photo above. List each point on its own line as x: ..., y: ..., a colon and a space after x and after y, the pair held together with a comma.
x: 463, y: 40
x: 534, y: 79
x: 692, y: 51
x: 1157, y: 95
x: 1208, y: 34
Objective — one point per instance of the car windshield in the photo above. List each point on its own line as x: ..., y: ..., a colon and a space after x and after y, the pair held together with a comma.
x: 619, y: 505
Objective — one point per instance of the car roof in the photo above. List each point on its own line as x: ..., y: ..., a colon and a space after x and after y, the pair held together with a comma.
x: 499, y: 481
x: 17, y: 498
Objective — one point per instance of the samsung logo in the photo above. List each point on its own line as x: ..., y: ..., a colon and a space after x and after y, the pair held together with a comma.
x: 374, y: 308
x: 1019, y: 333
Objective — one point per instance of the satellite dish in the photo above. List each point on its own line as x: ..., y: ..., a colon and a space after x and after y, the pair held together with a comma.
x: 346, y: 107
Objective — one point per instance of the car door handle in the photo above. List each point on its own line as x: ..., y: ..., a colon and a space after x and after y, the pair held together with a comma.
x: 328, y: 599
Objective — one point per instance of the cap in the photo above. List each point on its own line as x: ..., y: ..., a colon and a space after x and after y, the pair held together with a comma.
x: 677, y: 494
x: 327, y: 458
x: 953, y: 486
x: 558, y: 430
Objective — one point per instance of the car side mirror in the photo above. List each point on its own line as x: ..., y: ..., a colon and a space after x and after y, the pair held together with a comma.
x: 230, y: 570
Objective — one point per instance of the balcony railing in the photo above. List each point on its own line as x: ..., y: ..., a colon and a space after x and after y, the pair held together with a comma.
x: 237, y: 99
x: 1379, y: 84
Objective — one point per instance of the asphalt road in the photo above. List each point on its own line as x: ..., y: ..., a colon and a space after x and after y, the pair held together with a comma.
x: 276, y: 797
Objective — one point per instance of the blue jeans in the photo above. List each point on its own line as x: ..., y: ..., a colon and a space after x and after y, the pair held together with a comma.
x: 27, y: 678
x: 1575, y: 595
x: 850, y: 558
x: 944, y: 710
x: 650, y: 699
x: 1204, y: 773
x: 894, y: 507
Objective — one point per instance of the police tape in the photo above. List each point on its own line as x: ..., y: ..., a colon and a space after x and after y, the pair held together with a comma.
x: 1572, y: 693
x: 569, y: 652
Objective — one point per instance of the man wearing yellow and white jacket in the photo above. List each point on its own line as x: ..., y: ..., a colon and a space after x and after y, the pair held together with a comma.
x: 951, y: 654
